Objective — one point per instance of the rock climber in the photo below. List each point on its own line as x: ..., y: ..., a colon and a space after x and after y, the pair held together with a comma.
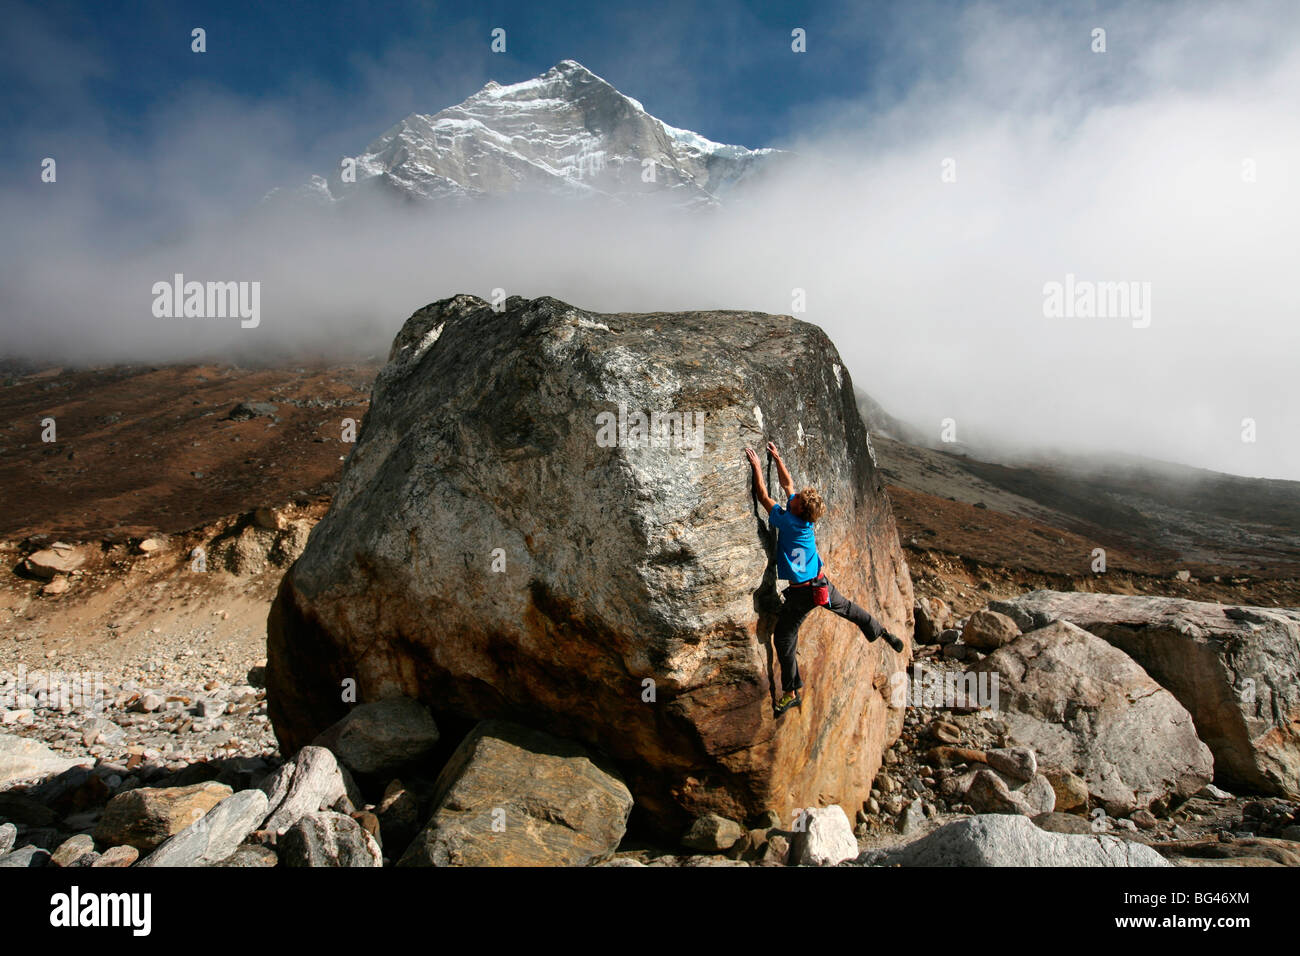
x: 799, y: 563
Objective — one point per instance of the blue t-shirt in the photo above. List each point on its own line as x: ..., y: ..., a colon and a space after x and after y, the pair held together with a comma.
x: 797, y: 559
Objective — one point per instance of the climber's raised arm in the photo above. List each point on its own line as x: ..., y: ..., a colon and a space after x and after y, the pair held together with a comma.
x: 782, y: 473
x: 760, y: 486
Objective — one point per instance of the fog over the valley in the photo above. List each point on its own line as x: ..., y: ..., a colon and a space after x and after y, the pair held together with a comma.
x: 1129, y: 166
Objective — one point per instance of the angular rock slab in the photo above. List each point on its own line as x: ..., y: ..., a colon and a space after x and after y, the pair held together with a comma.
x: 312, y: 781
x: 147, y: 816
x: 24, y: 759
x: 1085, y: 706
x: 511, y: 796
x: 216, y: 836
x: 619, y: 563
x: 1005, y: 840
x: 1235, y: 668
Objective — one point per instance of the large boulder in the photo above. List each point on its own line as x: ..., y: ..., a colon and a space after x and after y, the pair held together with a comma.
x: 508, y: 541
x: 1005, y: 840
x: 1086, y: 707
x: 990, y: 793
x: 1236, y: 669
x: 511, y: 796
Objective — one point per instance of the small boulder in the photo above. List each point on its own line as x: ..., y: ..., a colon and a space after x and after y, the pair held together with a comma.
x: 117, y: 856
x: 712, y: 834
x: 45, y: 564
x: 989, y: 630
x: 910, y: 820
x: 989, y: 793
x: 1235, y: 669
x: 776, y: 850
x: 932, y: 616
x: 947, y: 755
x: 328, y: 839
x: 1018, y: 763
x: 100, y: 730
x: 1071, y: 791
x: 246, y: 411
x: 381, y: 737
x: 73, y: 849
x: 825, y: 837
x: 1038, y: 794
x: 945, y: 732
x: 1145, y: 819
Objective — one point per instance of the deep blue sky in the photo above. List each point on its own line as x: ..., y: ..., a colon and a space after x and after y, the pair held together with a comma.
x: 722, y: 69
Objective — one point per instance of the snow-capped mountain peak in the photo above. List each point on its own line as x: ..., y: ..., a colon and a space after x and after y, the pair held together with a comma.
x: 565, y: 132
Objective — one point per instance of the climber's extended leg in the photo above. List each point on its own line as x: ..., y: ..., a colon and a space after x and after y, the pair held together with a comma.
x: 870, y: 627
x: 798, y: 602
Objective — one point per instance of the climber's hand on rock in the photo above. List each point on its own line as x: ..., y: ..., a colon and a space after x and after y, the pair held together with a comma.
x: 771, y: 450
x: 752, y: 456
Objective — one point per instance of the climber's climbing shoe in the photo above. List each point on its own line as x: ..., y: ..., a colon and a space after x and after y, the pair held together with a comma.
x: 790, y: 699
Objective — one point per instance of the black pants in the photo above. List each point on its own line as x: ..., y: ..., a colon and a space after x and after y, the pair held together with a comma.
x: 798, y: 602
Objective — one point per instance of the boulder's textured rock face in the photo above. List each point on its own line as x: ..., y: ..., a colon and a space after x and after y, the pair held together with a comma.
x: 508, y: 541
x: 1235, y: 669
x: 1086, y: 707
